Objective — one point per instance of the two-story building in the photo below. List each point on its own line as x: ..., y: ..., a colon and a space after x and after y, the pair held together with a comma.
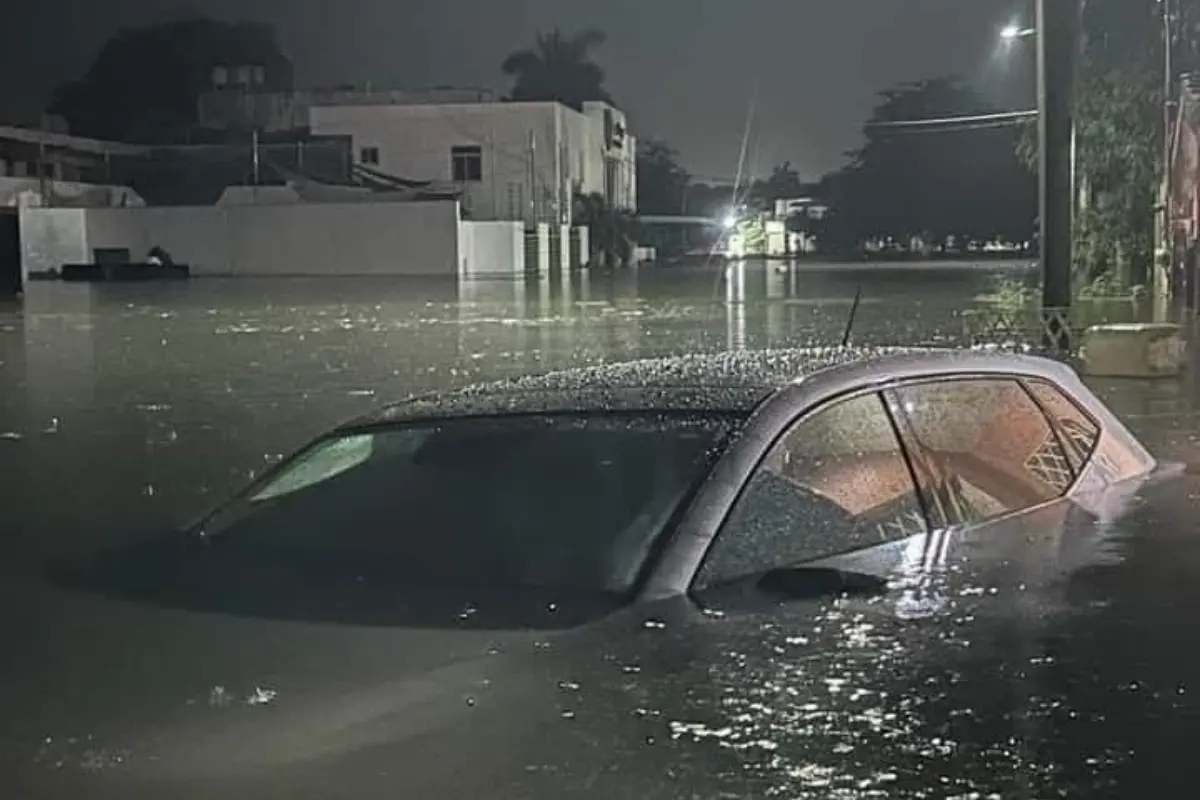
x: 513, y: 161
x: 519, y: 161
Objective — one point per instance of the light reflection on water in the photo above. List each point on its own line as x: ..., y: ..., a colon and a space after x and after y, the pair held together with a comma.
x: 144, y: 404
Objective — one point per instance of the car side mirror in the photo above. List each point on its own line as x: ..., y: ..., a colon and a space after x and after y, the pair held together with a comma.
x: 812, y: 583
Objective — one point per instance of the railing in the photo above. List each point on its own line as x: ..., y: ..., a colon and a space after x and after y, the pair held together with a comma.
x: 1055, y: 331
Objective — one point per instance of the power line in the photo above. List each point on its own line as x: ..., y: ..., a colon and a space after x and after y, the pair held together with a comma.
x: 1001, y: 118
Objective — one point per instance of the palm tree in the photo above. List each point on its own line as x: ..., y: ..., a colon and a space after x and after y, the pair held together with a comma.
x: 612, y: 233
x: 558, y: 67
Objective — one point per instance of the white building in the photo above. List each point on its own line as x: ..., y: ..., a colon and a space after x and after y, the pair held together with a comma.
x: 513, y: 161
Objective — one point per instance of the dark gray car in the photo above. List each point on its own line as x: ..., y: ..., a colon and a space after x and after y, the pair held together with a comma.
x: 787, y: 574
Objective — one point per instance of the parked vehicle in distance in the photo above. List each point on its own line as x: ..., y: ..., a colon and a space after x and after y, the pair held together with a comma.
x: 791, y: 573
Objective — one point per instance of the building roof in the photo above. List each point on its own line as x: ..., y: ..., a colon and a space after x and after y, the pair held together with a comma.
x: 65, y: 141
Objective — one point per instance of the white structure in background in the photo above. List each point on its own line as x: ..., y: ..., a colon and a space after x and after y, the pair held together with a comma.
x: 813, y: 209
x: 514, y: 161
x: 242, y: 106
x: 271, y: 231
x: 45, y: 166
x: 800, y: 206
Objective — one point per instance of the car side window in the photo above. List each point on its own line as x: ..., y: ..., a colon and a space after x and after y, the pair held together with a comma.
x: 837, y: 481
x: 987, y: 444
x: 1079, y: 433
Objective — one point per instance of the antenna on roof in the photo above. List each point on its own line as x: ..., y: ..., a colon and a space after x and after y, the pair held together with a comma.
x: 853, y: 314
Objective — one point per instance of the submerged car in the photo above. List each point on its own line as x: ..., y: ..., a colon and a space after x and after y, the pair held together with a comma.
x: 830, y: 573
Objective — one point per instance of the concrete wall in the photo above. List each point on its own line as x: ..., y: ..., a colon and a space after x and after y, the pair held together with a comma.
x: 492, y: 249
x: 28, y: 191
x: 288, y: 239
x: 536, y: 156
x: 51, y: 237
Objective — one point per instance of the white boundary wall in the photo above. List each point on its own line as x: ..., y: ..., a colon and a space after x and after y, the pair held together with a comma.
x: 410, y: 238
x: 493, y: 249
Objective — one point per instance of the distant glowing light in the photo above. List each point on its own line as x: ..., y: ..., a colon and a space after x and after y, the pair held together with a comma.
x: 730, y: 222
x: 1011, y: 33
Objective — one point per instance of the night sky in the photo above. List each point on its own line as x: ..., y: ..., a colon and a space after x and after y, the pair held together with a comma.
x: 683, y: 69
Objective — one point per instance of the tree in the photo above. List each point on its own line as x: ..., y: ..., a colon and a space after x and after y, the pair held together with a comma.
x: 662, y: 189
x: 938, y: 182
x: 1119, y: 134
x: 662, y: 183
x: 612, y: 232
x: 783, y: 184
x: 145, y: 84
x: 559, y: 67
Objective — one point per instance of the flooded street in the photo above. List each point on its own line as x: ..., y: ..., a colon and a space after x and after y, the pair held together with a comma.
x: 144, y: 404
x: 126, y: 409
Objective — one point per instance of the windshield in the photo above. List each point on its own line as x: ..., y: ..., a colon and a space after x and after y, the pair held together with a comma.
x: 568, y: 503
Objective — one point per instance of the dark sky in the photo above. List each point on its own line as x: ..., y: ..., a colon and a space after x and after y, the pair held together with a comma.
x: 683, y: 69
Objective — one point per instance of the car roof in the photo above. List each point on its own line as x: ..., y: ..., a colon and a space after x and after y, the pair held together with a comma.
x: 733, y: 382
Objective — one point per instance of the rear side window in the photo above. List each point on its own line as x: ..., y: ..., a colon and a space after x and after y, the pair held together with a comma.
x: 1080, y: 433
x: 988, y: 447
x: 836, y: 482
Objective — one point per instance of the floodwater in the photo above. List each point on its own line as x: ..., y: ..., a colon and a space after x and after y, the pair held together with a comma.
x: 125, y: 408
x: 129, y: 408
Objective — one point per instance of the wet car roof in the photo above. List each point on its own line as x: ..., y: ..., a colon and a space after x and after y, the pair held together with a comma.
x: 730, y: 381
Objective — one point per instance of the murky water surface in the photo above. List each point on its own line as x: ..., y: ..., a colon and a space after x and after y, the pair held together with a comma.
x: 130, y: 408
x: 145, y: 404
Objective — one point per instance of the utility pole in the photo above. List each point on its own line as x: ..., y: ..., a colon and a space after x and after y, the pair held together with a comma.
x: 255, y: 163
x: 533, y: 198
x: 43, y: 180
x: 1057, y: 42
x: 1164, y: 277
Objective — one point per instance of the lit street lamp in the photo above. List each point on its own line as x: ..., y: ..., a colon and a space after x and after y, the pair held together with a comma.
x: 1011, y: 33
x: 1056, y: 36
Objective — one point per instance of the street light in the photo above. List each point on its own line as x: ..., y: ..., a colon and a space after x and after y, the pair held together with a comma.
x: 1013, y: 33
x: 1010, y: 33
x: 1056, y: 38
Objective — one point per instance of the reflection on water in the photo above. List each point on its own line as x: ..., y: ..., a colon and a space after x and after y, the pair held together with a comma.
x: 144, y: 404
x: 124, y: 407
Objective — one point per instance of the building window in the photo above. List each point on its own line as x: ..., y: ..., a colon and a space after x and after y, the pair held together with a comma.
x: 467, y: 163
x: 369, y: 155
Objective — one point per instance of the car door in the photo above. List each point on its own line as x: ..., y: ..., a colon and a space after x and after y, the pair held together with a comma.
x: 836, y: 490
x: 993, y: 469
x: 952, y: 489
x: 824, y: 694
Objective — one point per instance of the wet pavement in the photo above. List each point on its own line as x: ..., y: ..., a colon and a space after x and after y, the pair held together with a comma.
x: 145, y: 404
x: 128, y: 408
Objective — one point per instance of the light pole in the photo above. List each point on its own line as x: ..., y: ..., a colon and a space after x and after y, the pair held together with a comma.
x: 1057, y: 39
x: 1056, y: 35
x: 1164, y: 275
